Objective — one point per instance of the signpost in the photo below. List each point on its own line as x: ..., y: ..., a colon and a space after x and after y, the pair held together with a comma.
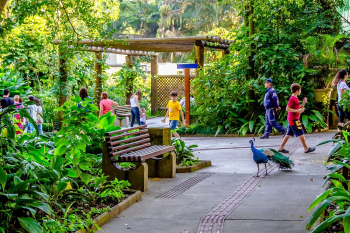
x: 187, y: 68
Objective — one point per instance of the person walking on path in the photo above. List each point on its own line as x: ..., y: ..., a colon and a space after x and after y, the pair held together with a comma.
x: 18, y: 120
x: 340, y: 81
x: 6, y: 100
x: 39, y: 118
x: 174, y: 110
x: 135, y: 107
x: 271, y: 104
x: 294, y: 126
x: 106, y: 105
x: 32, y: 110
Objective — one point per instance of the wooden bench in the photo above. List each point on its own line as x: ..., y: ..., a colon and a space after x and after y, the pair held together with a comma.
x: 123, y: 112
x: 134, y: 145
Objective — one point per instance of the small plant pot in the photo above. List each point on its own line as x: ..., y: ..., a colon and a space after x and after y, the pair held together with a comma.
x: 320, y: 94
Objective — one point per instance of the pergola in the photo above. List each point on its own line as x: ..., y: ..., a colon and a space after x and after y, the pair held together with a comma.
x: 141, y: 47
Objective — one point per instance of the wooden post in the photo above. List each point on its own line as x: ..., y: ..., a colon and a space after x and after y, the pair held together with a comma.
x: 63, y: 92
x: 225, y: 52
x: 98, y: 77
x: 129, y: 80
x: 187, y: 95
x: 154, y: 85
x: 200, y: 55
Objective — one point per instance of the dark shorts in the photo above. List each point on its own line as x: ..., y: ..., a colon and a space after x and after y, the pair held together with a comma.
x: 173, y: 124
x: 296, y: 129
x: 142, y: 123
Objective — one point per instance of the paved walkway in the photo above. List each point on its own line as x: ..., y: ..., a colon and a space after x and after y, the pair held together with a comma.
x: 278, y: 203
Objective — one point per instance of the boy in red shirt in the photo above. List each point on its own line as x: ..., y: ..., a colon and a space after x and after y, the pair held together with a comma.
x: 294, y: 126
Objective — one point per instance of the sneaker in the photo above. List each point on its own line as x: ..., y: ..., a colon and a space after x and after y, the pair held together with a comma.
x: 264, y: 137
x: 283, y: 151
x: 311, y: 149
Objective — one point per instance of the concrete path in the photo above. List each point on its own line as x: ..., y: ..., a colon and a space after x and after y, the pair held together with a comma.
x: 278, y: 204
x: 157, y: 122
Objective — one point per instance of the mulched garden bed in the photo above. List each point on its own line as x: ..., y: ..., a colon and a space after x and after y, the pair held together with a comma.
x: 196, y: 167
x: 131, y: 196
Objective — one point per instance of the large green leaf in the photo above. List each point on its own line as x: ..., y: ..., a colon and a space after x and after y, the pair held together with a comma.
x: 60, y: 150
x: 337, y: 176
x: 43, y: 206
x: 328, y: 222
x: 318, y: 114
x: 31, y: 210
x: 251, y: 126
x: 81, y: 146
x: 328, y: 141
x: 30, y: 225
x: 61, y: 186
x: 319, y: 199
x: 346, y: 221
x: 103, y: 123
x: 86, y: 178
x: 99, y: 180
x: 320, y: 209
x: 305, y: 120
x: 3, y: 179
x: 335, y: 148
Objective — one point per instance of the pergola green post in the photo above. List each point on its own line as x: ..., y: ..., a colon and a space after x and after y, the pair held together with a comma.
x: 63, y: 95
x: 154, y: 85
x: 98, y: 77
x: 129, y: 80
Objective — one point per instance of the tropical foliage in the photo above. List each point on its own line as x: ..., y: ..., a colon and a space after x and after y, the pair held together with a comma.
x: 332, y: 206
x: 52, y: 183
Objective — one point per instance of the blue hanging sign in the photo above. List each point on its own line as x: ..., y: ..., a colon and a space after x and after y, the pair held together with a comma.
x: 184, y: 66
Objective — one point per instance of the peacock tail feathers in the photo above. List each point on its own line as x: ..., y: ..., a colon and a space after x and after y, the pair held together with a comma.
x: 283, y: 161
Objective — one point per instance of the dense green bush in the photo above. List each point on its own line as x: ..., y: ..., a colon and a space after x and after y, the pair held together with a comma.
x: 51, y: 183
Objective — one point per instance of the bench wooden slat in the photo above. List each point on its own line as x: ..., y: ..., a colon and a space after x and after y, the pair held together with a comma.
x: 157, y: 152
x: 146, y: 151
x: 138, y: 142
x: 109, y: 139
x: 128, y: 140
x: 124, y: 130
x: 130, y: 149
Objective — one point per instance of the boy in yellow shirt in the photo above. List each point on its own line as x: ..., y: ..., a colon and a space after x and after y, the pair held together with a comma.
x: 174, y: 107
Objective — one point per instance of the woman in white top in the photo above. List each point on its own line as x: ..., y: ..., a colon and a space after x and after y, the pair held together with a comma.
x: 340, y: 82
x: 135, y: 107
x: 39, y: 118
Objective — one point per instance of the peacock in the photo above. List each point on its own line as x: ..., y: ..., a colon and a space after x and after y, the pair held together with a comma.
x: 264, y: 155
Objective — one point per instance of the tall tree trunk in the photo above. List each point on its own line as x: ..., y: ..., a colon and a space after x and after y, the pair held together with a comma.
x: 2, y: 5
x: 251, y: 73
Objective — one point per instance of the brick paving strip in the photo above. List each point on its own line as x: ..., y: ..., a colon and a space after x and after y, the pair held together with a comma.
x: 213, y: 221
x: 186, y: 185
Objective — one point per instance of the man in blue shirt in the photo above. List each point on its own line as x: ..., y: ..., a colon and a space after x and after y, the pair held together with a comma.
x: 271, y: 104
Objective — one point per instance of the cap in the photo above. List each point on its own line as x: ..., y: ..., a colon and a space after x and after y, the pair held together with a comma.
x: 269, y: 80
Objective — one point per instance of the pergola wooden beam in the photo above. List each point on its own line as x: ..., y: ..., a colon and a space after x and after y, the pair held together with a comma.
x: 173, y: 44
x: 113, y: 50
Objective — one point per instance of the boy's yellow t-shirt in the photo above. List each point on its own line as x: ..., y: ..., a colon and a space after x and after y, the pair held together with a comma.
x: 174, y: 108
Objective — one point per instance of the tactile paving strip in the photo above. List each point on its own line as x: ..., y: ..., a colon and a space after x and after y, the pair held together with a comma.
x: 186, y: 185
x: 213, y: 220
